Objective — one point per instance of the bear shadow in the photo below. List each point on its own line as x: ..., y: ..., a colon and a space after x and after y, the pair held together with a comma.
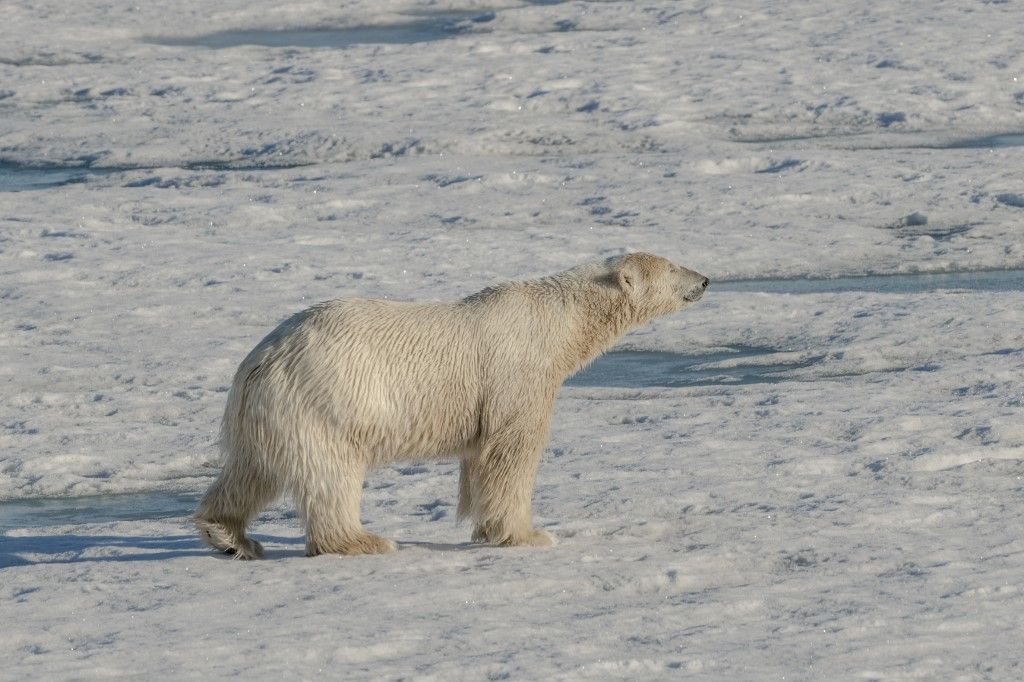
x: 27, y: 550
x: 279, y: 553
x: 442, y: 546
x: 70, y: 548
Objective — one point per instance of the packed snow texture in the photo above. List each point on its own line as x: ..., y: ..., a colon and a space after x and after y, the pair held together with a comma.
x: 838, y: 494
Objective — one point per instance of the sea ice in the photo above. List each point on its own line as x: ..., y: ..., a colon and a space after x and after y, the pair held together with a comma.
x: 815, y: 473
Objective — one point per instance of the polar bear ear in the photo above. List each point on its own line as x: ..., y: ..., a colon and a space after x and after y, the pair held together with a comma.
x: 629, y: 275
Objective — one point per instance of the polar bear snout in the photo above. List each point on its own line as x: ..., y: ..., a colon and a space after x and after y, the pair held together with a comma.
x: 693, y: 285
x: 697, y: 290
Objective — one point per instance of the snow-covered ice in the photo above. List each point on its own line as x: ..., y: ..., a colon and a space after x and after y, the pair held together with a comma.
x: 815, y: 479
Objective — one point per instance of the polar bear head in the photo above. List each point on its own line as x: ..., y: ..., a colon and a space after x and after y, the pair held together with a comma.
x: 655, y: 286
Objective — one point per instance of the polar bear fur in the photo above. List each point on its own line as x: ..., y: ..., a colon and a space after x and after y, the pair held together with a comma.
x: 350, y: 384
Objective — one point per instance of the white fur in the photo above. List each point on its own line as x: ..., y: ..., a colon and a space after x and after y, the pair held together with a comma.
x: 350, y: 384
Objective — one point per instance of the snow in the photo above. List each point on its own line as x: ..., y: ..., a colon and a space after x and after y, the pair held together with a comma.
x: 830, y: 490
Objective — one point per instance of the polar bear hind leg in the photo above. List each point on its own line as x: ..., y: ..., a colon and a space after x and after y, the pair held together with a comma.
x: 238, y: 495
x: 329, y: 503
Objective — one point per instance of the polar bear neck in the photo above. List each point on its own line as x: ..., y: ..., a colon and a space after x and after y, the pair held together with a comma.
x: 589, y: 310
x: 596, y: 317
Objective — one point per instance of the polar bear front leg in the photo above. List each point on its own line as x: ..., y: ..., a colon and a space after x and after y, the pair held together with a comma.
x: 500, y: 484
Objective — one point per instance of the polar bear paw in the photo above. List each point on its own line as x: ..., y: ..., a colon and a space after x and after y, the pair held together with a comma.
x: 533, y: 538
x: 246, y: 549
x: 229, y: 538
x: 357, y: 543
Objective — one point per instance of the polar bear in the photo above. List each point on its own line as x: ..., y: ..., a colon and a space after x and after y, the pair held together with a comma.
x: 350, y: 384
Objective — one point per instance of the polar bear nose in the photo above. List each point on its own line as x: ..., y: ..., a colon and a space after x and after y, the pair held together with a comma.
x: 704, y: 284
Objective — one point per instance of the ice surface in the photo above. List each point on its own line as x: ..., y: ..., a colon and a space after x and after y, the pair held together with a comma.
x: 815, y: 473
x: 435, y: 26
x: 41, y: 512
x: 993, y: 141
x: 978, y: 280
x: 18, y: 178
x: 641, y: 369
